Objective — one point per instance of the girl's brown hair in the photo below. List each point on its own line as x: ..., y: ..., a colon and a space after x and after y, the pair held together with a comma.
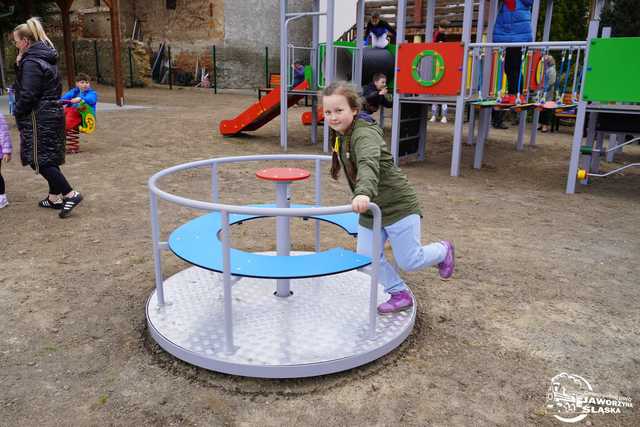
x: 32, y: 30
x: 350, y: 92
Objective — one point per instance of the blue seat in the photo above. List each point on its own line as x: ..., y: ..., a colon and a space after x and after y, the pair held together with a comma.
x: 197, y: 242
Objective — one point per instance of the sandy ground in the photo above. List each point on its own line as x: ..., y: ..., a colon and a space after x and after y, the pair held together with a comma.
x: 546, y: 283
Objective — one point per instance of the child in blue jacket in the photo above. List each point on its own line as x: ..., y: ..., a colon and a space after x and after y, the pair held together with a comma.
x: 83, y: 92
x: 513, y: 25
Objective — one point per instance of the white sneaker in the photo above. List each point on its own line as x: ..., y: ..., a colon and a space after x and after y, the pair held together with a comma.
x: 443, y: 119
x: 433, y: 119
x: 3, y: 201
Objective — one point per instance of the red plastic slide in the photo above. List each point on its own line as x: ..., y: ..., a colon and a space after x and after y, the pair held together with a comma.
x: 306, y: 117
x: 260, y: 113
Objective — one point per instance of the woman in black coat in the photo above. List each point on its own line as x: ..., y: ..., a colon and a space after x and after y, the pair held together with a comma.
x: 39, y: 115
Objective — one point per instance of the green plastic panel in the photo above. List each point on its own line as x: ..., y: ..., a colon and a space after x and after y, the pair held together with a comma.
x: 308, y: 74
x: 613, y: 72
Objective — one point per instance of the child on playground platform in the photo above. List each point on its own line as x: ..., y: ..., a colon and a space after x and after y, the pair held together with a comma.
x: 379, y: 30
x: 513, y: 25
x: 5, y: 156
x: 373, y: 177
x: 298, y: 73
x: 549, y: 83
x: 82, y: 92
x: 376, y: 94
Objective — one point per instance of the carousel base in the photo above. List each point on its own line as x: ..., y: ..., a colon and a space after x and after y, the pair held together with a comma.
x: 323, y: 327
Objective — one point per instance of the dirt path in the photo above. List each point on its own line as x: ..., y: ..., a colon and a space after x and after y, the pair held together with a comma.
x: 547, y: 283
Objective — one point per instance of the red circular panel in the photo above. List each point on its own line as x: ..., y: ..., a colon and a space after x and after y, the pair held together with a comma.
x: 283, y: 174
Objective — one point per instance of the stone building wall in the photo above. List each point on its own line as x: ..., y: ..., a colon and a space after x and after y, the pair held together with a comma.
x: 249, y: 27
x: 240, y: 30
x: 95, y: 58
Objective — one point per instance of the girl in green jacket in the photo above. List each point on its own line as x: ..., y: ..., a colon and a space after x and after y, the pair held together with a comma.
x: 372, y: 175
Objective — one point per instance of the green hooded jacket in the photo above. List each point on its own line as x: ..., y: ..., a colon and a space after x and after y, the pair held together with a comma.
x: 364, y: 155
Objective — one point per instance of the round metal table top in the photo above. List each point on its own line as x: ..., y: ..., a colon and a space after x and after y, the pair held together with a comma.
x: 283, y: 174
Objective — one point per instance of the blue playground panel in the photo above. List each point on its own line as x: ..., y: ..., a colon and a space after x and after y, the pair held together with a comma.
x: 197, y: 242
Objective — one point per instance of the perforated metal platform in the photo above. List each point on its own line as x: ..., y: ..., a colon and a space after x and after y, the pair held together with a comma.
x: 320, y: 329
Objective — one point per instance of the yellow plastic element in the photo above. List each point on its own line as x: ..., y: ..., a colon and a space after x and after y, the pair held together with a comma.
x: 469, y: 83
x: 582, y: 174
x: 90, y: 121
x: 540, y: 72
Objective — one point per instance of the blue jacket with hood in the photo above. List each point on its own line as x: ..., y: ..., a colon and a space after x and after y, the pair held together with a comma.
x: 513, y: 23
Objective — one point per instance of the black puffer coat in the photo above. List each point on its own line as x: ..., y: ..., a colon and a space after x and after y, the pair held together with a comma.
x: 39, y: 115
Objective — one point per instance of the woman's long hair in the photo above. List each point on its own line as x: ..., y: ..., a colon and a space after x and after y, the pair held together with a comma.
x: 33, y: 31
x: 350, y: 92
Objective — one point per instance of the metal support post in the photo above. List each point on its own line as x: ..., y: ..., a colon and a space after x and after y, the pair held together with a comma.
x: 283, y: 235
x: 456, y: 155
x: 594, y: 26
x: 226, y: 280
x: 546, y: 32
x: 157, y: 257
x: 594, y: 165
x: 485, y: 113
x: 375, y: 269
x: 430, y: 21
x: 329, y: 56
x: 472, y: 112
x: 215, y: 192
x: 318, y: 184
x: 315, y: 27
x: 395, y: 114
x: 483, y: 132
x: 357, y: 79
x: 284, y: 60
x: 428, y: 38
x: 315, y: 41
x: 522, y: 126
x: 422, y: 144
x: 472, y: 125
x: 522, y: 123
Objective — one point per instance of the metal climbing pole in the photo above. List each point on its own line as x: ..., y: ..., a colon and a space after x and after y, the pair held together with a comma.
x: 395, y: 116
x: 328, y: 66
x: 284, y: 41
x: 594, y: 26
x: 456, y: 155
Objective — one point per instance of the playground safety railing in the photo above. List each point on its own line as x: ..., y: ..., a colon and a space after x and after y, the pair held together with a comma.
x: 225, y: 210
x: 480, y: 52
x: 305, y: 54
